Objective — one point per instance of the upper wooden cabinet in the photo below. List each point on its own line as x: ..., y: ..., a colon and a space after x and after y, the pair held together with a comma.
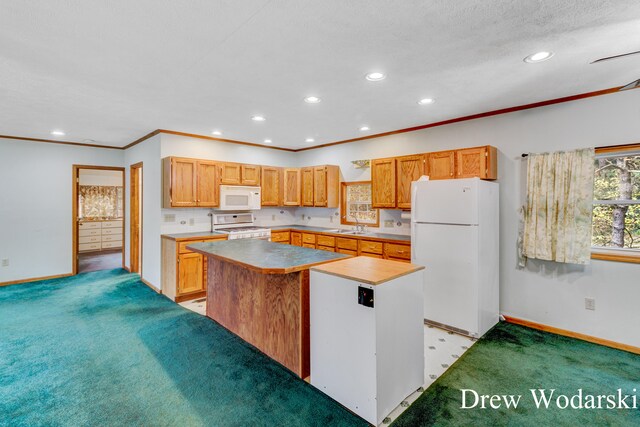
x: 272, y: 186
x: 408, y: 169
x: 307, y: 186
x: 478, y: 161
x: 189, y: 183
x: 230, y: 174
x: 291, y: 187
x: 250, y: 174
x: 383, y: 183
x: 326, y: 186
x: 239, y: 174
x: 207, y: 187
x: 442, y: 165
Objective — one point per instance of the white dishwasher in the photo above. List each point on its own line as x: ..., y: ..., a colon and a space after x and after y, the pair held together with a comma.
x: 367, y: 333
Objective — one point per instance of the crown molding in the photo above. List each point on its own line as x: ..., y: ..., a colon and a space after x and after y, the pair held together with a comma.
x: 54, y: 141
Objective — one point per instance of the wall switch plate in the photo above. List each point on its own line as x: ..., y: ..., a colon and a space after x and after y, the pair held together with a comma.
x: 170, y: 218
x: 5, y: 262
x: 590, y: 303
x: 388, y: 223
x: 331, y: 219
x: 273, y: 217
x: 192, y: 221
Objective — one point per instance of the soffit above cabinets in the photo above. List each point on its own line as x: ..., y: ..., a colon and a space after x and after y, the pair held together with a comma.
x: 109, y: 72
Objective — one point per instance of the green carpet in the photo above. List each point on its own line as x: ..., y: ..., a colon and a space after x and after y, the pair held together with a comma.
x: 103, y: 349
x: 511, y: 360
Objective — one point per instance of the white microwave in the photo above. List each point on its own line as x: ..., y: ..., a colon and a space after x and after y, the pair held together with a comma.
x: 239, y: 198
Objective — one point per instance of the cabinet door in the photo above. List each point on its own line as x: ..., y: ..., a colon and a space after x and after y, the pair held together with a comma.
x: 250, y: 174
x: 383, y: 183
x: 230, y: 174
x: 183, y: 182
x: 296, y: 238
x: 307, y: 186
x: 442, y: 165
x: 207, y: 184
x: 291, y: 196
x: 478, y: 161
x: 408, y: 169
x: 270, y: 184
x: 320, y: 186
x: 190, y: 273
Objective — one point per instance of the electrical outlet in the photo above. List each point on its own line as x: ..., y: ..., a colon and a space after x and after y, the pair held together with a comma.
x: 331, y: 219
x: 5, y: 262
x: 388, y: 223
x: 170, y: 218
x: 192, y: 221
x: 590, y: 303
x: 273, y: 217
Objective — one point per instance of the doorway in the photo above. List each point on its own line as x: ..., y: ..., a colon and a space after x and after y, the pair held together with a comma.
x: 98, y: 218
x: 135, y: 249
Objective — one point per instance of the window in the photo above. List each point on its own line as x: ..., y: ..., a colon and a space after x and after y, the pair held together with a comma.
x: 616, y: 206
x: 355, y: 206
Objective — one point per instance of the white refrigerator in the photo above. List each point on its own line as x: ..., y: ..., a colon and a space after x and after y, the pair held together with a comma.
x: 454, y: 234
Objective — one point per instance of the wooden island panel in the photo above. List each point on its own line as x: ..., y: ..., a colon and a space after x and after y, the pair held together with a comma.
x: 269, y: 311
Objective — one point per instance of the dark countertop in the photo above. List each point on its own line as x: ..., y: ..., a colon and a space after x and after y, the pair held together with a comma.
x: 383, y: 236
x: 265, y: 257
x: 194, y: 235
x: 369, y: 236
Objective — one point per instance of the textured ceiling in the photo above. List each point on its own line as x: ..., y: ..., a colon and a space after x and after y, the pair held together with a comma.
x: 112, y: 71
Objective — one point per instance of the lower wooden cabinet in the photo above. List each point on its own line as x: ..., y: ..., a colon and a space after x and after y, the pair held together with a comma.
x: 184, y: 273
x: 398, y: 252
x: 281, y: 237
x: 296, y: 238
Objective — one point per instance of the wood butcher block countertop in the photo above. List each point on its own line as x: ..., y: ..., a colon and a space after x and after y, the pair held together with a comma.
x: 364, y: 269
x: 265, y: 257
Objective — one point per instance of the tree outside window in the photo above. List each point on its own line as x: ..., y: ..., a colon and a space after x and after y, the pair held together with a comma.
x: 355, y: 205
x: 616, y: 208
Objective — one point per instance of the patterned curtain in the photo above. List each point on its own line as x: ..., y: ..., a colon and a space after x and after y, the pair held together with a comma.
x: 100, y: 202
x: 557, y: 223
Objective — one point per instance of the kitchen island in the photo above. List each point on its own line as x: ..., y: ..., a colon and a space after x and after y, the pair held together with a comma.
x: 259, y: 290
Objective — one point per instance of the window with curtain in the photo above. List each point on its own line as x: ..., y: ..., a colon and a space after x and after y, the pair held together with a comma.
x: 558, y: 213
x: 355, y: 205
x: 616, y: 204
x: 100, y: 202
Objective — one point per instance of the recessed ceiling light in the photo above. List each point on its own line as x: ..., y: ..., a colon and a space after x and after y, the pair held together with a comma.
x: 57, y: 133
x: 375, y: 76
x: 258, y: 118
x: 426, y: 101
x: 538, y: 57
x: 216, y: 132
x: 364, y: 128
x: 267, y: 141
x: 309, y: 140
x: 312, y: 100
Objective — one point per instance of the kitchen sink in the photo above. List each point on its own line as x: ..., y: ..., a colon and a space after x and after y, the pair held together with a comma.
x: 351, y: 232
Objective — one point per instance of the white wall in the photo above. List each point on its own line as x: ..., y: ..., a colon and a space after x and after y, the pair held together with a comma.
x: 36, y: 205
x: 147, y: 152
x: 544, y: 292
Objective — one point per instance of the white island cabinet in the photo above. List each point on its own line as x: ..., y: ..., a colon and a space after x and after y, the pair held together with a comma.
x: 367, y: 333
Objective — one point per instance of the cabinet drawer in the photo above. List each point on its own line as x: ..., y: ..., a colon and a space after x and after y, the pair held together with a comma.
x: 115, y: 244
x: 182, y: 246
x: 370, y: 255
x: 308, y: 238
x: 89, y: 232
x: 112, y: 224
x: 370, y: 247
x: 112, y: 237
x: 280, y: 236
x: 346, y: 251
x: 350, y: 244
x: 326, y: 240
x: 108, y: 231
x: 326, y: 248
x: 88, y: 225
x: 89, y: 247
x: 89, y: 239
x: 393, y: 250
x: 309, y: 245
